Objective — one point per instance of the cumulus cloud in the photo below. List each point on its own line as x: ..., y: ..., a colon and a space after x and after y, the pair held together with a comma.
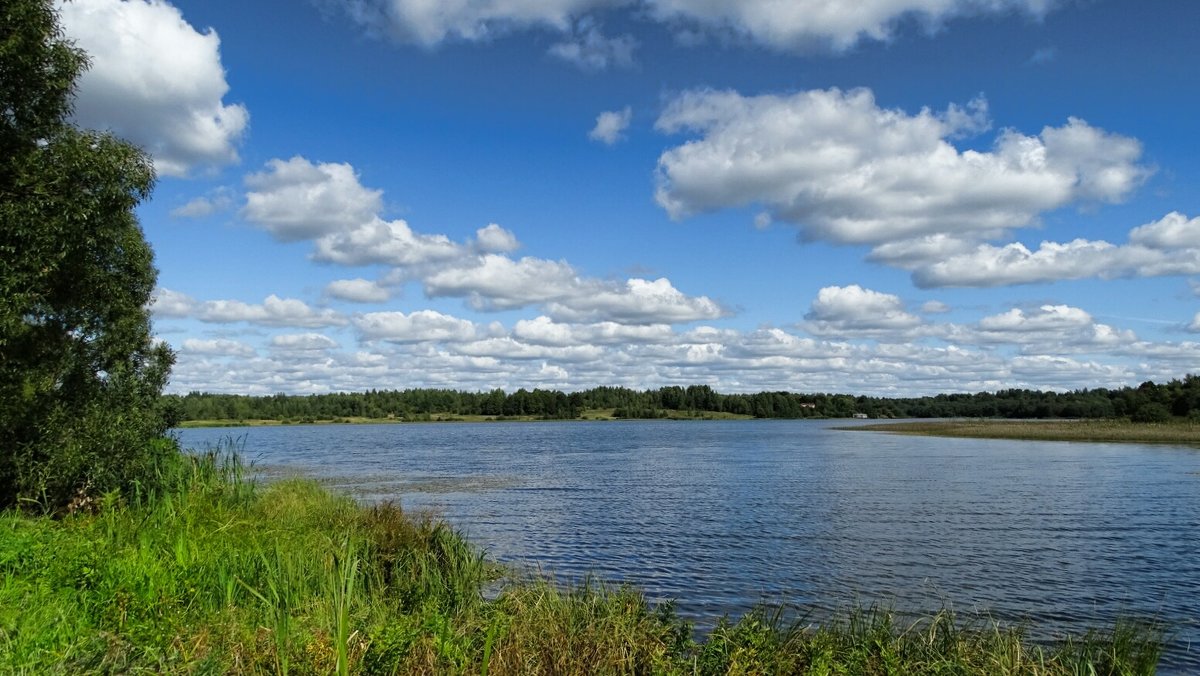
x: 853, y: 310
x: 543, y: 330
x: 611, y: 125
x: 495, y: 239
x: 934, y: 307
x: 419, y: 326
x: 1048, y: 330
x: 836, y: 24
x: 303, y: 342
x: 798, y: 25
x: 205, y: 205
x: 429, y: 23
x: 216, y: 348
x: 1052, y: 346
x: 637, y: 301
x: 156, y: 81
x: 357, y: 290
x: 168, y: 303
x: 273, y: 311
x: 297, y: 199
x: 497, y: 282
x: 1169, y: 246
x: 589, y: 49
x: 845, y: 170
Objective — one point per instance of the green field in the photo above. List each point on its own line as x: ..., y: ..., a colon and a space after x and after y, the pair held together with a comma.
x: 1176, y: 432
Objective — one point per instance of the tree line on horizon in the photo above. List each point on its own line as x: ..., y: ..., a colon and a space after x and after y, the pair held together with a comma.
x: 1148, y: 402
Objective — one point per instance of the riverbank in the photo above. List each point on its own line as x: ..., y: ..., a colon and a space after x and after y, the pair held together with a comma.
x: 1122, y: 431
x: 219, y: 575
x: 590, y: 414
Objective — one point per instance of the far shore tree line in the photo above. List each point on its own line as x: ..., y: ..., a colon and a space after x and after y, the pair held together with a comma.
x: 1148, y: 402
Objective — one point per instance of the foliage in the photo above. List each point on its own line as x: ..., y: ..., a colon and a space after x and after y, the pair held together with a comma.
x: 214, y: 574
x: 80, y: 376
x: 1179, y: 398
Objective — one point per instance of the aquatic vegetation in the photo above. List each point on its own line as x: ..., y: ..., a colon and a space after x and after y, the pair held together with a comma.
x: 1175, y: 432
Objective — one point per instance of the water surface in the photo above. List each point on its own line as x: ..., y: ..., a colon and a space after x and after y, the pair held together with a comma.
x: 721, y: 515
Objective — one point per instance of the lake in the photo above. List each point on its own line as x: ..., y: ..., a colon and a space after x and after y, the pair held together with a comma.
x: 722, y: 515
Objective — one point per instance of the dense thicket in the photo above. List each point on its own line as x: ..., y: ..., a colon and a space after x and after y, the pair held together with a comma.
x: 80, y: 376
x: 1148, y: 402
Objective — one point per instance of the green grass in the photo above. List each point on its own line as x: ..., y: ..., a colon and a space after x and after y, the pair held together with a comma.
x: 218, y: 575
x: 1175, y: 432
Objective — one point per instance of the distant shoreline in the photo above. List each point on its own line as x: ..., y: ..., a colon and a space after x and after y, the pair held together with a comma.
x: 588, y: 416
x: 1118, y: 431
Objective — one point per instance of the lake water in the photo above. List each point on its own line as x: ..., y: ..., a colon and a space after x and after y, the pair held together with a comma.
x: 723, y: 515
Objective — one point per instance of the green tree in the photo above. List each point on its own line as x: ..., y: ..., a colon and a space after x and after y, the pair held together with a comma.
x: 80, y: 375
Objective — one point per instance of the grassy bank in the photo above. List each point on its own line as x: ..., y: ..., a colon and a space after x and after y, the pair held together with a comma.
x: 216, y: 575
x: 1176, y: 432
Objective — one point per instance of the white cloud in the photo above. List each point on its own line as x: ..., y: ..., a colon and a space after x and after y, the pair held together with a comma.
x: 205, y: 205
x: 168, y: 303
x: 543, y: 330
x: 1173, y: 231
x: 386, y: 242
x: 495, y: 239
x: 357, y: 290
x: 589, y: 49
x: 273, y: 311
x: 303, y: 342
x: 497, y: 282
x: 1048, y: 330
x: 296, y: 199
x: 156, y: 81
x: 1194, y: 327
x: 853, y: 310
x: 419, y: 326
x: 637, y: 301
x: 794, y: 25
x: 845, y: 170
x: 1047, y: 317
x: 429, y: 23
x: 1169, y: 246
x: 1055, y: 346
x: 611, y: 125
x: 216, y: 348
x: 836, y: 24
x: 934, y: 307
x: 506, y: 347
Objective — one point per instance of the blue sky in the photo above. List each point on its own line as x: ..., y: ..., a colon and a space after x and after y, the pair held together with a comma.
x: 897, y: 197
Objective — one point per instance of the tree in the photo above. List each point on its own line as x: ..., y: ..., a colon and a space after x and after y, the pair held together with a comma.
x: 80, y: 373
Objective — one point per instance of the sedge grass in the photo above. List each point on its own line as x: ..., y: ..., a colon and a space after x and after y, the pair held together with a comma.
x: 219, y: 575
x: 1183, y: 432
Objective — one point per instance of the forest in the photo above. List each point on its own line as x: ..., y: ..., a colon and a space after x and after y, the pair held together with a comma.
x: 1148, y: 402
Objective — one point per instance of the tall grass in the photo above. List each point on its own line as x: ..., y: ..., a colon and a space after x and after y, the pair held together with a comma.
x: 216, y: 574
x: 1184, y: 432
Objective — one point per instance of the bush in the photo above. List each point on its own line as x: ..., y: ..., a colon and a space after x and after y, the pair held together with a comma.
x: 80, y: 376
x: 1151, y: 413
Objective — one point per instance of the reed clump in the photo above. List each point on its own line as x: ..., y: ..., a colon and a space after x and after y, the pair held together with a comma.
x: 1183, y: 432
x: 217, y: 574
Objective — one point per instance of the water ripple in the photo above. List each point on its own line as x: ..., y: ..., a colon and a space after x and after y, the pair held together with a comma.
x: 724, y: 515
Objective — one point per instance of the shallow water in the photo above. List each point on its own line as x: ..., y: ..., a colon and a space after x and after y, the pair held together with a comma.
x: 721, y: 515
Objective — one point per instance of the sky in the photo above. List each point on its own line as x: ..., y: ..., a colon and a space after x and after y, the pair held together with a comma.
x: 893, y: 197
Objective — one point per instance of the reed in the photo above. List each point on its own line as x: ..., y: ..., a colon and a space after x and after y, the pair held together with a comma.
x: 219, y: 574
x: 1183, y: 432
